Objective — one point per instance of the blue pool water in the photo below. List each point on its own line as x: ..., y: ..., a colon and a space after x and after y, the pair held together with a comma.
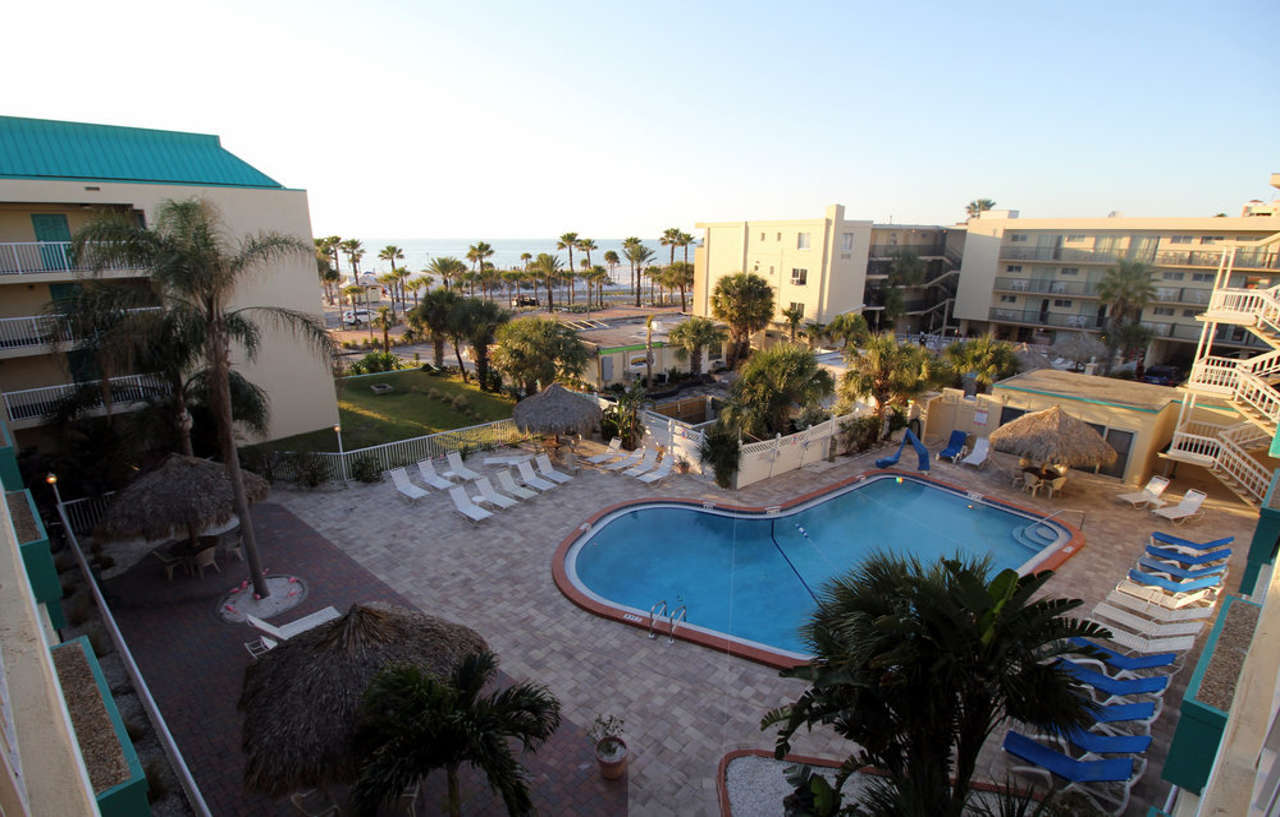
x: 754, y: 578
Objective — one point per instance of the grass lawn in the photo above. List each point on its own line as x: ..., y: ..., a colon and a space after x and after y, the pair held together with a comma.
x: 408, y: 410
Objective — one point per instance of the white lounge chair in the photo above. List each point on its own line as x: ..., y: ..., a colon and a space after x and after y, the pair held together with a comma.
x: 287, y: 631
x: 457, y: 469
x: 1172, y: 601
x: 1150, y: 495
x: 978, y: 456
x: 615, y: 448
x: 531, y: 479
x: 406, y: 488
x: 627, y: 461
x: 1145, y: 626
x: 646, y: 464
x: 507, y: 484
x: 428, y: 471
x: 1187, y: 508
x: 1141, y: 644
x: 487, y: 494
x: 1155, y: 611
x: 463, y: 504
x: 546, y: 469
x: 661, y: 472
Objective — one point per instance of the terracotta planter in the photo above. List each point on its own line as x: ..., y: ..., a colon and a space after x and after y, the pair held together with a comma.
x: 612, y: 764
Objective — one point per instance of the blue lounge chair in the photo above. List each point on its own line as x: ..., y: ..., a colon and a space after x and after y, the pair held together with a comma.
x: 1144, y: 711
x: 1104, y: 781
x: 1109, y: 744
x: 1115, y: 686
x: 955, y: 446
x: 1170, y: 586
x: 1178, y: 541
x: 1184, y: 558
x: 1153, y: 566
x: 1128, y: 662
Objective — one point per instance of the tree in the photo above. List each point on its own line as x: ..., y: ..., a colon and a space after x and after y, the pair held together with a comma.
x: 391, y: 253
x: 477, y: 254
x: 793, y: 315
x: 743, y: 300
x: 612, y: 261
x: 385, y: 320
x: 773, y: 385
x: 918, y: 665
x: 1131, y: 340
x: 906, y: 270
x: 692, y: 336
x: 648, y: 351
x: 986, y: 358
x: 850, y: 328
x: 683, y: 242
x: 1126, y: 290
x: 816, y: 331
x: 417, y: 284
x: 525, y: 258
x: 433, y: 316
x: 888, y: 372
x: 447, y: 269
x: 390, y: 281
x: 354, y: 250
x: 977, y: 207
x: 587, y: 246
x: 547, y: 267
x: 95, y: 320
x: 597, y: 277
x: 681, y: 278
x: 195, y: 267
x: 480, y: 320
x: 893, y: 306
x: 638, y: 255
x: 568, y: 241
x: 533, y: 351
x: 411, y: 723
x: 670, y: 238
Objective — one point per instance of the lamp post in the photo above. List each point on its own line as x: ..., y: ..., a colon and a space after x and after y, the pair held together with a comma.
x: 52, y: 479
x: 342, y: 458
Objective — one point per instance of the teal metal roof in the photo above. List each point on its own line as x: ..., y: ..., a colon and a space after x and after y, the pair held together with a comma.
x: 48, y: 149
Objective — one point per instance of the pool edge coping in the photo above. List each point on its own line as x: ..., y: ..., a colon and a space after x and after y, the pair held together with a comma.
x: 1052, y: 561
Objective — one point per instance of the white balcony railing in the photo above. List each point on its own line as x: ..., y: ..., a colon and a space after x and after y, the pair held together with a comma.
x: 41, y: 330
x: 33, y: 404
x: 35, y: 257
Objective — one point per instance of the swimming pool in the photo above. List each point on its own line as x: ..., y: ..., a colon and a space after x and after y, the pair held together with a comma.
x: 748, y: 577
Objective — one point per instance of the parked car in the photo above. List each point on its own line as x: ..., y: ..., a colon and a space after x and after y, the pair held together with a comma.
x: 524, y: 300
x: 355, y: 317
x: 1163, y: 375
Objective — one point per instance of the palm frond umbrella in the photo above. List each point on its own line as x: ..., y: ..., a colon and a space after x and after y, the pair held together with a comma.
x: 1053, y: 437
x: 556, y: 410
x: 300, y: 699
x: 1030, y: 359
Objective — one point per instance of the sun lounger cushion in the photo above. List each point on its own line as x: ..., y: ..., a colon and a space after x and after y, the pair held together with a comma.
x: 1068, y: 768
x: 1182, y: 557
x: 1174, y: 586
x: 1118, y: 713
x: 1114, y: 686
x: 1128, y: 662
x: 1153, y: 566
x: 1177, y: 541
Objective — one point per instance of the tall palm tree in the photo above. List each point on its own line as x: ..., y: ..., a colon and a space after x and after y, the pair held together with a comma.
x: 684, y: 242
x: 587, y: 246
x: 986, y: 358
x: 480, y: 320
x: 848, y: 327
x: 525, y: 258
x: 638, y: 254
x: 1126, y: 290
x: 771, y: 385
x: 412, y: 723
x: 793, y: 315
x: 547, y: 267
x: 627, y: 244
x: 432, y: 316
x: 385, y: 320
x: 196, y: 268
x: 978, y: 206
x: 477, y: 254
x: 390, y: 280
x: 392, y: 254
x: 354, y: 293
x: 418, y: 283
x: 568, y: 241
x: 353, y: 248
x: 681, y: 278
x: 889, y: 372
x: 446, y: 268
x: 597, y: 277
x: 694, y: 335
x: 670, y: 238
x: 745, y: 302
x: 612, y: 261
x: 654, y: 274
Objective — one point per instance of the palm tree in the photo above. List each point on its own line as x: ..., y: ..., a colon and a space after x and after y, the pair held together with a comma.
x: 481, y: 320
x: 638, y: 255
x: 392, y: 254
x: 670, y: 238
x: 648, y: 352
x: 412, y: 723
x: 568, y: 241
x: 478, y: 253
x: 682, y: 279
x: 684, y: 242
x: 848, y: 327
x: 771, y: 385
x: 533, y: 351
x: 194, y: 268
x: 793, y: 315
x: 743, y: 300
x: 978, y: 206
x: 354, y: 292
x: 692, y: 336
x: 596, y: 277
x: 354, y: 250
x: 906, y: 269
x: 432, y: 317
x: 547, y: 267
x: 390, y: 280
x: 986, y: 358
x: 612, y: 261
x: 446, y: 268
x: 385, y: 320
x: 889, y: 372
x: 1126, y: 290
x: 816, y: 331
x: 418, y: 283
x: 654, y: 274
x: 918, y: 665
x: 587, y: 246
x: 525, y: 258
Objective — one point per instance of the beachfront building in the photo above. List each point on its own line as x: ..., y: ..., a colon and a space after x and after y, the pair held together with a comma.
x: 57, y: 176
x: 833, y: 265
x: 619, y: 350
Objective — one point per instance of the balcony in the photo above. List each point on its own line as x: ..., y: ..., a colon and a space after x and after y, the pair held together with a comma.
x: 1246, y: 259
x: 1013, y: 253
x: 1086, y: 289
x: 31, y: 407
x: 1040, y: 318
x: 1183, y: 295
x: 34, y: 334
x: 921, y: 250
x: 1174, y: 331
x: 50, y: 258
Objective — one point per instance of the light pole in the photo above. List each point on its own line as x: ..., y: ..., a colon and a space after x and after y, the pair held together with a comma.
x: 342, y: 459
x: 52, y: 479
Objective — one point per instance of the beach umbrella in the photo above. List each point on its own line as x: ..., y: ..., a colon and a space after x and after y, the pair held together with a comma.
x: 556, y: 410
x: 300, y: 699
x: 1053, y: 437
x: 1030, y: 359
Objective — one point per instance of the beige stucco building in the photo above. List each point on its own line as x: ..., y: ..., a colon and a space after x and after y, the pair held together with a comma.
x: 56, y: 176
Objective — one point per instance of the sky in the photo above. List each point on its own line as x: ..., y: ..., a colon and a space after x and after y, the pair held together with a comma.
x: 484, y: 120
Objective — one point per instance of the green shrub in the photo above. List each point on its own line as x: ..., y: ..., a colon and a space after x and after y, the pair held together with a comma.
x: 375, y: 362
x: 309, y: 470
x: 366, y: 469
x: 859, y: 434
x: 720, y: 449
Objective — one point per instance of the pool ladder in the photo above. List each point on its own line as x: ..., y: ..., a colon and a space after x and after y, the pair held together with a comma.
x: 674, y: 618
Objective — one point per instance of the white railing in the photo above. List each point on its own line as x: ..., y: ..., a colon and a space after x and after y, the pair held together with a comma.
x: 1259, y: 394
x: 1214, y: 373
x: 34, y: 257
x: 1222, y: 448
x: 28, y: 404
x: 42, y: 330
x: 1244, y: 469
x: 83, y: 514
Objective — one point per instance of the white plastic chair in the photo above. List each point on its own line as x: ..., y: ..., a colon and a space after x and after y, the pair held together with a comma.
x: 487, y: 494
x: 627, y: 461
x: 463, y: 505
x: 457, y: 469
x: 427, y: 470
x: 1188, y: 508
x: 978, y: 456
x: 1144, y: 626
x: 646, y: 464
x: 546, y: 469
x: 615, y: 447
x: 508, y: 485
x: 531, y: 479
x: 406, y: 488
x: 661, y: 472
x: 1149, y: 495
x: 287, y: 631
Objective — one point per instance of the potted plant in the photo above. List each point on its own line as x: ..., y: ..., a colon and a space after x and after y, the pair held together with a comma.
x: 611, y: 749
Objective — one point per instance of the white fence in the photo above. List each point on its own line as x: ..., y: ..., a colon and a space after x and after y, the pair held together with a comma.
x: 768, y: 458
x: 679, y: 438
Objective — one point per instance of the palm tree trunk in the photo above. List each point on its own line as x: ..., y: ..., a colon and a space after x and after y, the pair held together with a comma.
x: 457, y: 352
x: 182, y: 420
x: 454, y: 801
x: 570, y: 274
x: 549, y: 304
x: 695, y: 361
x: 682, y: 300
x: 438, y: 341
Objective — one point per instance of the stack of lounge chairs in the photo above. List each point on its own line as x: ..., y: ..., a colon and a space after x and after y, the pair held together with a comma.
x: 643, y: 463
x: 481, y: 498
x: 1154, y: 615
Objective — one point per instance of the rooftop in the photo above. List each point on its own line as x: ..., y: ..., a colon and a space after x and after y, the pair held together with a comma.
x: 630, y: 332
x: 1093, y: 389
x: 49, y: 149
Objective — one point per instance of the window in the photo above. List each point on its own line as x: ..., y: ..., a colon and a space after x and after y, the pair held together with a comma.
x: 1013, y: 268
x: 1210, y: 239
x: 1188, y: 313
x: 1170, y: 275
x: 1179, y: 239
x: 1063, y: 302
x: 1070, y: 271
x: 1075, y: 239
x: 846, y: 242
x: 762, y: 236
x: 1008, y: 299
x: 1016, y: 237
x: 802, y: 241
x: 1163, y: 311
x: 799, y: 276
x: 779, y: 236
x: 797, y: 305
x: 1202, y: 277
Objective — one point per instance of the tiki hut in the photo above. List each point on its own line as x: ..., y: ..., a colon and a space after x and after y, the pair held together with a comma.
x: 1053, y: 437
x: 556, y: 410
x: 300, y: 699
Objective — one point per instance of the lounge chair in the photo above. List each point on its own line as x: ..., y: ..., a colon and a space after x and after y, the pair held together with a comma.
x: 487, y: 494
x: 1149, y: 495
x: 646, y: 464
x: 1083, y: 774
x: 627, y: 461
x: 463, y: 505
x: 531, y: 479
x: 1108, y: 744
x: 1178, y: 543
x: 1142, y: 644
x: 546, y: 469
x: 1145, y: 626
x: 296, y: 627
x: 1122, y: 687
x: 406, y: 488
x: 661, y: 472
x: 1187, y: 508
x: 428, y: 471
x: 508, y: 485
x: 978, y: 456
x: 1129, y: 663
x: 955, y: 446
x: 1143, y: 712
x: 206, y: 558
x: 1171, y: 598
x: 457, y: 469
x: 260, y: 646
x: 1183, y: 557
x: 1177, y: 572
x: 1156, y: 611
x: 615, y: 448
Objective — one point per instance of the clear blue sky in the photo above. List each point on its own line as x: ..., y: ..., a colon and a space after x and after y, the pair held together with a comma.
x: 509, y: 120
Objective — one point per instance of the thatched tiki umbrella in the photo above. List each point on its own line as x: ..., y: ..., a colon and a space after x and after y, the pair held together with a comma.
x: 556, y: 410
x: 1053, y: 437
x: 180, y: 498
x: 300, y: 699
